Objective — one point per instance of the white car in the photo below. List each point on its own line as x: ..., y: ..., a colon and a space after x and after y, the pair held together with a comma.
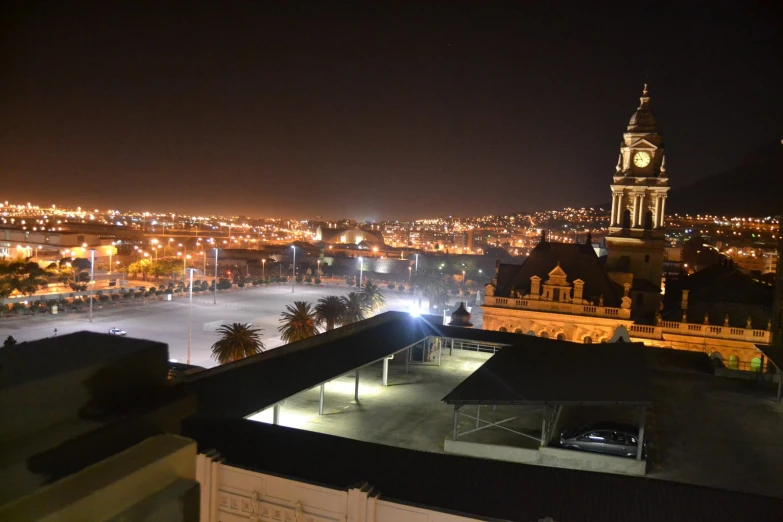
x: 117, y: 331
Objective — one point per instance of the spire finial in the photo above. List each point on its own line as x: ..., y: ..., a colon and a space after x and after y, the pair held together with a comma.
x: 644, y: 91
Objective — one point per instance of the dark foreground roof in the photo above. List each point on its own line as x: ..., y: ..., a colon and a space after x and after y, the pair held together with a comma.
x: 578, y: 261
x: 486, y: 489
x: 544, y: 371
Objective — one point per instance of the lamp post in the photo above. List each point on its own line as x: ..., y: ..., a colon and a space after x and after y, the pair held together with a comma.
x: 361, y: 268
x: 190, y: 313
x: 111, y: 251
x: 417, y: 263
x: 293, y: 270
x: 214, y: 301
x: 410, y: 269
x: 92, y: 278
x: 463, y: 279
x: 263, y: 270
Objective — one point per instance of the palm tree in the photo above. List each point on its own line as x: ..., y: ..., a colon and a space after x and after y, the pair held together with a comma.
x: 433, y: 287
x: 373, y: 297
x: 237, y: 341
x: 298, y: 322
x: 355, y: 308
x: 329, y: 310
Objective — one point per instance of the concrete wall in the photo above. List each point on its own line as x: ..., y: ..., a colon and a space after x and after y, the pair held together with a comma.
x: 546, y: 456
x: 231, y: 494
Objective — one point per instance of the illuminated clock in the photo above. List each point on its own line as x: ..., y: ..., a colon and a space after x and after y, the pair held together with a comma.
x: 641, y: 159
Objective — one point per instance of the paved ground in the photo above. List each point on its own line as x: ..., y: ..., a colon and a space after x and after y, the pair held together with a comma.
x: 702, y: 430
x: 167, y: 321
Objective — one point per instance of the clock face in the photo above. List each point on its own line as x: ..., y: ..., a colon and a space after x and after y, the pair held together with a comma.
x: 641, y: 159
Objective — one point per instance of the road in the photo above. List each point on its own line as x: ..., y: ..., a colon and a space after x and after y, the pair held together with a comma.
x: 167, y: 321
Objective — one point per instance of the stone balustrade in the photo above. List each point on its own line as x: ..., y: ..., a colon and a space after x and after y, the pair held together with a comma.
x: 565, y: 307
x: 701, y: 330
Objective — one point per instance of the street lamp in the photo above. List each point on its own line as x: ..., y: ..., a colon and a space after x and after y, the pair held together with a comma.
x: 293, y: 270
x: 463, y: 279
x: 361, y: 268
x: 214, y: 301
x: 92, y: 278
x: 190, y: 313
x: 417, y: 263
x: 410, y: 268
x: 263, y: 270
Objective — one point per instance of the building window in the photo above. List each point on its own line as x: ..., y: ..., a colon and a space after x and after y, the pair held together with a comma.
x: 502, y: 329
x: 561, y: 337
x: 647, y: 258
x: 545, y: 335
x: 518, y: 331
x: 588, y: 340
x: 733, y: 362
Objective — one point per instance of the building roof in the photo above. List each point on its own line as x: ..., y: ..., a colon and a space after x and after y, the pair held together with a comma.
x: 32, y: 361
x: 257, y: 382
x: 545, y: 371
x: 577, y: 260
x: 643, y: 120
x: 484, y: 489
x: 252, y: 384
x: 718, y: 291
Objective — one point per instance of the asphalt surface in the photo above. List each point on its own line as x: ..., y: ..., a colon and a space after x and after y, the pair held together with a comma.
x: 167, y: 321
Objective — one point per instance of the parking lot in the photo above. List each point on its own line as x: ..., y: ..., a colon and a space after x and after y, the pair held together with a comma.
x: 167, y: 321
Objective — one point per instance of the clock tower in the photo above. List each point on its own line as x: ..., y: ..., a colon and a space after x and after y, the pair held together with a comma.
x: 636, y: 226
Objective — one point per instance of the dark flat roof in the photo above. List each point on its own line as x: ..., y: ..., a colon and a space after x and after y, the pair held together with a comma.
x: 544, y: 371
x: 35, y: 360
x: 485, y: 489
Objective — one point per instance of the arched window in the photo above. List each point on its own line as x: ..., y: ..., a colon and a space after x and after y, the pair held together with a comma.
x: 733, y: 362
x: 545, y: 334
x: 518, y: 331
x: 502, y: 329
x: 755, y: 364
x: 627, y: 219
x: 648, y: 221
x: 561, y: 337
x: 588, y: 340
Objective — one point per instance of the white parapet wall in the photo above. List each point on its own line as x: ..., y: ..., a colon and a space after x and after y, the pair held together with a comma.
x: 553, y: 457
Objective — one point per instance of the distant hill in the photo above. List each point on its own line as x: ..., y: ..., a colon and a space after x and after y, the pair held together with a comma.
x: 753, y: 188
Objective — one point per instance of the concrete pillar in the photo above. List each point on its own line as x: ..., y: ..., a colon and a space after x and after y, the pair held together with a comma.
x: 544, y: 428
x: 451, y: 348
x: 385, y: 371
x: 321, y: 400
x: 454, y: 431
x: 640, y: 447
x: 356, y: 387
x: 276, y: 415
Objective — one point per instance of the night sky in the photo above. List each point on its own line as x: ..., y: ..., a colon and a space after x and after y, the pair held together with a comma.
x: 399, y: 110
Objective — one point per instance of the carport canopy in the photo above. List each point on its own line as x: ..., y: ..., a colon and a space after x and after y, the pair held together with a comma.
x: 552, y: 374
x: 775, y: 355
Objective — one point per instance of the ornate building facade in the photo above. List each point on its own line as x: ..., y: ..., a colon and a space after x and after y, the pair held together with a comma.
x: 564, y: 291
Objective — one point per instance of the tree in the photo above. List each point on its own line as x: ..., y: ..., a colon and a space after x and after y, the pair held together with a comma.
x: 355, y: 308
x: 373, y: 297
x: 329, y: 311
x: 433, y: 287
x: 237, y: 341
x: 297, y: 322
x: 9, y: 341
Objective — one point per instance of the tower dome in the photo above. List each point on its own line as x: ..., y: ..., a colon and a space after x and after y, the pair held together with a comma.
x: 643, y: 120
x: 461, y: 317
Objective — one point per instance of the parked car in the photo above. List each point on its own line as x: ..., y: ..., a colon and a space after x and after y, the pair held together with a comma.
x: 117, y: 331
x: 610, y: 438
